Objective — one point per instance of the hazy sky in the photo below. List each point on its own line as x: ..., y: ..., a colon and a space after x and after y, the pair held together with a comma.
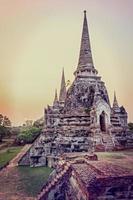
x: 39, y: 37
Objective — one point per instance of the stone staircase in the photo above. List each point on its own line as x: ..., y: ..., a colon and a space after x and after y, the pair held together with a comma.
x: 107, y: 142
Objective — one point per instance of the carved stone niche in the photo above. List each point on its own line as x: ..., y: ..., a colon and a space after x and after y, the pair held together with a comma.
x: 103, y: 112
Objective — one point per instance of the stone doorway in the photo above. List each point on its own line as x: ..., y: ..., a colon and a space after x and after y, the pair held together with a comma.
x: 103, y: 122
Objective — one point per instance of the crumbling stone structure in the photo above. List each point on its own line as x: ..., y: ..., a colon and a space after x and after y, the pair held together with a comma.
x: 82, y: 119
x: 88, y: 180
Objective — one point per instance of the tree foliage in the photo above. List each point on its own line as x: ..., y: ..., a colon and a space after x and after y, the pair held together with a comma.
x: 39, y: 123
x: 5, y: 125
x: 28, y: 135
x: 3, y: 132
x: 5, y: 121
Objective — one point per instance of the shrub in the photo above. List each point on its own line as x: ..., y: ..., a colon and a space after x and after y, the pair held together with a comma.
x: 28, y: 135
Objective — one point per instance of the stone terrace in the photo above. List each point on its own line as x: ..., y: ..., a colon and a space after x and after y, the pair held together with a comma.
x: 109, y: 178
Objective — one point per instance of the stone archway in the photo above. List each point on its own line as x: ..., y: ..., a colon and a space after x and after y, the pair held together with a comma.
x: 102, y: 121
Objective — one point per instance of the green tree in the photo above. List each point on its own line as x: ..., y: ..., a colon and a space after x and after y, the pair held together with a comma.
x: 39, y: 123
x: 3, y: 132
x: 5, y: 126
x: 1, y: 119
x: 28, y: 135
x: 6, y: 122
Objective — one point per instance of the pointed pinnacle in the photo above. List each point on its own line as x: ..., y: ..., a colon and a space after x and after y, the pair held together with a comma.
x: 63, y: 88
x: 56, y: 97
x: 115, y: 103
x: 84, y: 13
x: 85, y: 56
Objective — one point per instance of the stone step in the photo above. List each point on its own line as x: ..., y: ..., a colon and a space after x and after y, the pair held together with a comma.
x: 107, y: 142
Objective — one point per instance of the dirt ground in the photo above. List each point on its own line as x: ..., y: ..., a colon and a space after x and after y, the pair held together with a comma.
x: 11, y: 187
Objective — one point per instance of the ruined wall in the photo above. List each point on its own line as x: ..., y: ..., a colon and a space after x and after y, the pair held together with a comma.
x: 25, y: 160
x: 76, y: 189
x: 56, y: 188
x: 115, y: 188
x: 82, y: 180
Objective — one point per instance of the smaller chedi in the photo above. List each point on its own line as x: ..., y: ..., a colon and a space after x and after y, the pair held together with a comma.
x: 82, y: 119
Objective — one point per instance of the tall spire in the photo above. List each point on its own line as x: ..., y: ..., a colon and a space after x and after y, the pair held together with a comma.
x: 115, y: 103
x: 85, y: 56
x: 55, y: 98
x: 63, y: 88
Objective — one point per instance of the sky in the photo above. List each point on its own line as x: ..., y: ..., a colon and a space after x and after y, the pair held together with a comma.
x: 40, y: 37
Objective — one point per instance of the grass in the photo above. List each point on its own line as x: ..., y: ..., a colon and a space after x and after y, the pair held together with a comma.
x: 121, y: 158
x: 8, y: 154
x: 115, y: 155
x: 110, y: 155
x: 23, y: 182
x: 26, y: 182
x: 128, y: 153
x: 32, y: 179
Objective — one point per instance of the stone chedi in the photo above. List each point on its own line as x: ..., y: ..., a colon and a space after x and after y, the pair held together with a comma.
x: 82, y: 119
